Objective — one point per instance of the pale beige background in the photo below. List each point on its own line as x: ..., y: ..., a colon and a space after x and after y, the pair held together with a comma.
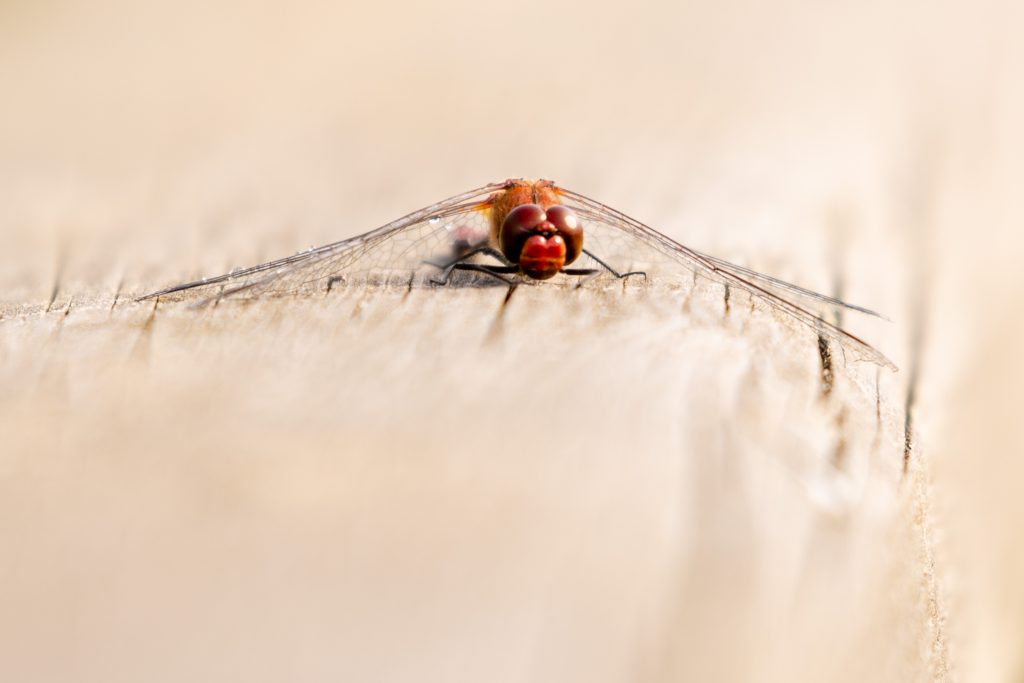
x: 585, y: 485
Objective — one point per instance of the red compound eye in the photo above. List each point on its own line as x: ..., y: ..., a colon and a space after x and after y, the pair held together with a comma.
x: 526, y: 216
x: 520, y: 223
x: 567, y: 224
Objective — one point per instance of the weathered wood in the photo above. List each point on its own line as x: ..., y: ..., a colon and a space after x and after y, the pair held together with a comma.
x: 606, y: 483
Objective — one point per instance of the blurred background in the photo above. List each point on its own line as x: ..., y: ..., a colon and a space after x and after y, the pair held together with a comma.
x: 430, y: 486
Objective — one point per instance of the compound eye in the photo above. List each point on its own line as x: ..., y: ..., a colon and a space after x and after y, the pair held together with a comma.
x: 525, y: 216
x: 564, y: 218
x: 567, y: 224
x: 519, y: 224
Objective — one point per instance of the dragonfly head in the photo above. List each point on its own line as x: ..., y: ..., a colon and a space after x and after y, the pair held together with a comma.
x: 541, y: 241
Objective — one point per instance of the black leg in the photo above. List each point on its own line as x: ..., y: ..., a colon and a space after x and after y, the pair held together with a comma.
x: 494, y: 271
x: 460, y: 263
x: 586, y: 274
x: 446, y: 268
x: 495, y: 253
x: 612, y: 270
x: 482, y: 249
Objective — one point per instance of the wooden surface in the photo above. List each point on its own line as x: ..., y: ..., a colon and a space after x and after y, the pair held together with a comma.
x: 595, y: 484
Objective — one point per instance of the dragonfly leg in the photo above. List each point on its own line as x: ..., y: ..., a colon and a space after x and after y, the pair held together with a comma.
x: 612, y: 270
x: 495, y: 271
x: 495, y: 253
x: 586, y: 274
x: 461, y: 262
x: 484, y: 249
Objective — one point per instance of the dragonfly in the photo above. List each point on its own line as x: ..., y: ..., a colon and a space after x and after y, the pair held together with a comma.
x: 522, y: 230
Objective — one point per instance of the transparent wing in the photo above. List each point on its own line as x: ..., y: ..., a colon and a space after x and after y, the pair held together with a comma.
x: 405, y: 249
x: 604, y: 225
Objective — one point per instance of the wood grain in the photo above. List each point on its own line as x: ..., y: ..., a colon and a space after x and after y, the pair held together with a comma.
x: 607, y: 483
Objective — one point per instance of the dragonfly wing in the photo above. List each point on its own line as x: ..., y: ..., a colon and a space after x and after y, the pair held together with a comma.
x: 410, y: 247
x: 603, y: 223
x: 789, y: 290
